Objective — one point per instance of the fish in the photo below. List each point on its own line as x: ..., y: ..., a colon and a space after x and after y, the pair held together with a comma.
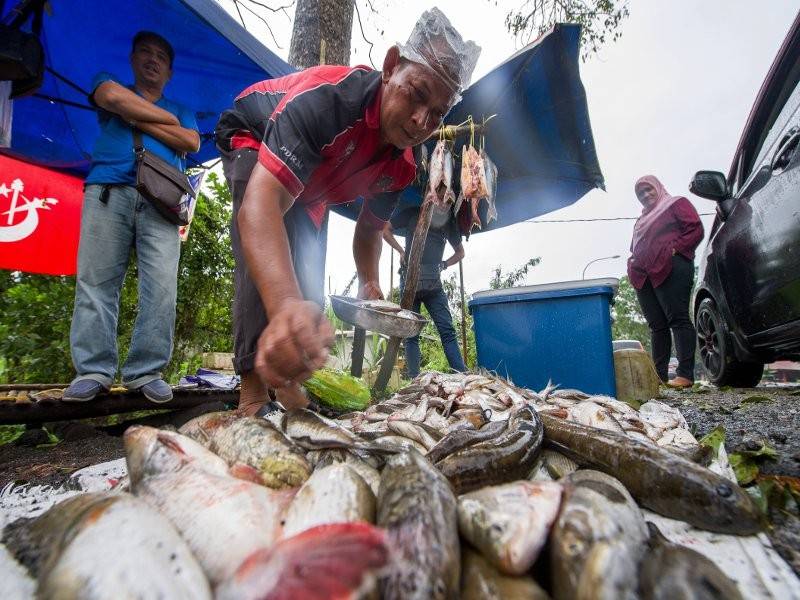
x: 313, y: 431
x: 417, y: 508
x: 221, y: 518
x: 254, y: 448
x: 661, y: 416
x: 367, y: 472
x: 329, y: 561
x: 557, y: 464
x: 399, y: 443
x: 660, y: 480
x: 106, y: 545
x: 673, y: 572
x: 333, y: 494
x: 593, y: 415
x: 597, y: 541
x: 481, y: 581
x: 416, y: 432
x: 510, y: 523
x: 505, y: 458
x: 459, y: 439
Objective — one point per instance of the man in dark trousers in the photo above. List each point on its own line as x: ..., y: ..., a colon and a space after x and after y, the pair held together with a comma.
x: 293, y: 146
x: 430, y: 293
x: 116, y: 220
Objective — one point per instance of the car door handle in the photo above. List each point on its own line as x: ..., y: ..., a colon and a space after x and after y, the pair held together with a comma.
x: 788, y: 146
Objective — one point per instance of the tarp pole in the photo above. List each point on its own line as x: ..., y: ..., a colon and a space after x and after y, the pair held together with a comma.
x: 463, y: 311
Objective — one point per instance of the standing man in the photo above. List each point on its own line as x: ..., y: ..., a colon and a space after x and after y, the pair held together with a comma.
x: 443, y: 229
x: 293, y: 146
x: 116, y: 220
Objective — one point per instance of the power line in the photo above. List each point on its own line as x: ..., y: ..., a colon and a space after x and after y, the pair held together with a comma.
x: 535, y: 221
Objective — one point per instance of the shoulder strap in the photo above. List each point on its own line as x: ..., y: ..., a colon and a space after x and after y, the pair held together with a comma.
x: 138, y: 145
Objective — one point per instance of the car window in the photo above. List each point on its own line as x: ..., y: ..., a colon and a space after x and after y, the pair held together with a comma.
x: 785, y: 113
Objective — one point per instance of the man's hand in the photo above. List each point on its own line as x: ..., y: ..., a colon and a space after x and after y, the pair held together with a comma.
x: 370, y: 290
x: 294, y: 344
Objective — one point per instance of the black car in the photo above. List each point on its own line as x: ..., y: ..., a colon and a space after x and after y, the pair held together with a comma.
x: 746, y: 302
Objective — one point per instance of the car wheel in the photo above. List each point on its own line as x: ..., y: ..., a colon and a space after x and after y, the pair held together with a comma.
x: 716, y: 351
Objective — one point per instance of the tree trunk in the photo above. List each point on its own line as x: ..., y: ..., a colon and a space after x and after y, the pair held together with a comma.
x: 321, y: 33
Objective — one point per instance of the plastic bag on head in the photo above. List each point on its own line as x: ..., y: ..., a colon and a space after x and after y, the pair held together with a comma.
x: 436, y: 43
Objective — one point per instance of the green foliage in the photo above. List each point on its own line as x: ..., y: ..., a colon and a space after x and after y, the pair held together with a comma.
x: 36, y: 310
x: 628, y: 323
x: 500, y: 280
x: 600, y: 20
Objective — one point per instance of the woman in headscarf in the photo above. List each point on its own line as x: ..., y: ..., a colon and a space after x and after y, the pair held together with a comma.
x: 661, y: 269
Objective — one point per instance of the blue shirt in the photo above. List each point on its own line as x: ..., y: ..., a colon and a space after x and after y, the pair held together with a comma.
x: 113, y: 158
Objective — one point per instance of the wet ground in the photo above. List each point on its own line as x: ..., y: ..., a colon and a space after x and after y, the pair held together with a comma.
x: 750, y: 417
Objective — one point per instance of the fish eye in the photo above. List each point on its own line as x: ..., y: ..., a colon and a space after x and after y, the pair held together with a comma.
x: 724, y: 490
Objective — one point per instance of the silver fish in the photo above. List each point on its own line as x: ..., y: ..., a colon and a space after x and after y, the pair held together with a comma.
x: 100, y: 546
x: 597, y: 541
x: 510, y: 523
x: 413, y: 431
x: 333, y: 494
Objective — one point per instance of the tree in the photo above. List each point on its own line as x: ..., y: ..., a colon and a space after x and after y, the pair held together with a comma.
x: 600, y: 20
x: 628, y: 323
x: 321, y: 33
x: 500, y: 280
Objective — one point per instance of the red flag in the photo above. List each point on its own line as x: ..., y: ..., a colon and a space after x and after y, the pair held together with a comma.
x: 40, y: 218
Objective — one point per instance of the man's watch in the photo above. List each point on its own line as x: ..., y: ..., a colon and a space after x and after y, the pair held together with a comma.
x: 442, y: 265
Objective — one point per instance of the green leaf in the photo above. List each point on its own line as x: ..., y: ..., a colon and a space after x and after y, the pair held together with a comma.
x: 744, y: 467
x: 766, y: 451
x: 715, y: 439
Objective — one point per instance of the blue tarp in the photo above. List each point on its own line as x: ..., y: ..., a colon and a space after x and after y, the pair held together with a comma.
x: 541, y: 139
x: 215, y: 59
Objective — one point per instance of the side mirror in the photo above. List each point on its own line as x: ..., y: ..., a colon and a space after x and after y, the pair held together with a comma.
x: 710, y: 184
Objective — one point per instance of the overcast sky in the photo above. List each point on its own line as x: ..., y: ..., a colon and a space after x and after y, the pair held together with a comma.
x: 668, y: 99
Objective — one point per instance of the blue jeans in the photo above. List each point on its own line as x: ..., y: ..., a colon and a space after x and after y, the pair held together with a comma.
x: 109, y: 231
x: 436, y: 303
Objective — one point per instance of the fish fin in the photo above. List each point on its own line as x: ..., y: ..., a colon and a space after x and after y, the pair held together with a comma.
x: 246, y: 473
x: 328, y: 561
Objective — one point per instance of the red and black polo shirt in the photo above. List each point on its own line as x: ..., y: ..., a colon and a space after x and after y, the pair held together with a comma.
x: 318, y: 132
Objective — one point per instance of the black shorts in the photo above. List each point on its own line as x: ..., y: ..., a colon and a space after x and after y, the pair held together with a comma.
x: 308, y: 246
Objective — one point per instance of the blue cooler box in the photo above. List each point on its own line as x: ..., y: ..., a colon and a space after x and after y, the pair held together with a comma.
x: 557, y: 331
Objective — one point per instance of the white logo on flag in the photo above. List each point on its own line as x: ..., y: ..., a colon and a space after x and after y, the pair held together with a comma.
x: 11, y: 229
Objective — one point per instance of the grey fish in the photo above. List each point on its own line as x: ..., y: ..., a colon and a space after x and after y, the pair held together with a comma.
x: 106, y: 545
x: 418, y: 509
x: 481, y: 581
x: 505, y: 458
x: 673, y: 572
x: 313, y: 431
x: 597, y: 540
x: 414, y: 431
x: 659, y: 479
x: 457, y: 440
x: 399, y: 443
x: 248, y: 442
x: 333, y: 494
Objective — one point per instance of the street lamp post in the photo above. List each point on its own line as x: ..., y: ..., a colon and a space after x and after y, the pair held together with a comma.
x: 583, y: 275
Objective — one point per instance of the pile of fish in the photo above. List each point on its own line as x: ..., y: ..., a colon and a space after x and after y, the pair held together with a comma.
x: 457, y: 486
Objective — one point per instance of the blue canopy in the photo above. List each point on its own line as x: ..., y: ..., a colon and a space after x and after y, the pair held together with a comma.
x: 215, y: 59
x: 541, y: 139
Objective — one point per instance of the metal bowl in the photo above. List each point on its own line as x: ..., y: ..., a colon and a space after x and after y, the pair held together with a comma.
x: 351, y: 310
